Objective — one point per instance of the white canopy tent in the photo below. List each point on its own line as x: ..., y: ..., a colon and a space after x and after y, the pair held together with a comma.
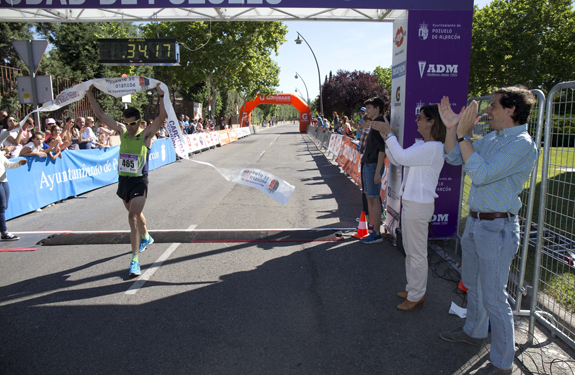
x: 218, y: 10
x: 198, y: 14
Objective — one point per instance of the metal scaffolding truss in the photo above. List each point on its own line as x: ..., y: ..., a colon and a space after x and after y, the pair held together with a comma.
x: 197, y: 14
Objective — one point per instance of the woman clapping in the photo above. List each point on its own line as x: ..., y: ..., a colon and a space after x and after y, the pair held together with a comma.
x: 422, y: 162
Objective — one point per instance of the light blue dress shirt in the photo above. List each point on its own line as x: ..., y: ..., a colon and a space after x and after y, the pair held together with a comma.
x: 500, y: 165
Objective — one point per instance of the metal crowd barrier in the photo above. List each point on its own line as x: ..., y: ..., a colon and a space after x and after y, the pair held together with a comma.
x: 553, y: 302
x: 320, y: 138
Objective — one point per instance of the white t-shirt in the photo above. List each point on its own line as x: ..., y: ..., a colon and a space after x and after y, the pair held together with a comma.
x: 13, y: 134
x: 32, y: 146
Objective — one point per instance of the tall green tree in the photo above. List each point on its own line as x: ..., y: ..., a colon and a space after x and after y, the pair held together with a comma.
x: 383, y: 77
x: 225, y: 55
x: 76, y: 49
x: 76, y: 53
x: 528, y: 42
x: 10, y: 31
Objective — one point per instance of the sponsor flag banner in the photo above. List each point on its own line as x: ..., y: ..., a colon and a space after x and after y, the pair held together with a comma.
x: 118, y: 87
x: 274, y: 187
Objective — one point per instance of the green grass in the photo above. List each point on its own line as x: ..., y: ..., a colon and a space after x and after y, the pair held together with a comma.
x: 562, y: 289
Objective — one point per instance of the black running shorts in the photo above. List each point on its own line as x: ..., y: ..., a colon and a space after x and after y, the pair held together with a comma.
x: 132, y: 187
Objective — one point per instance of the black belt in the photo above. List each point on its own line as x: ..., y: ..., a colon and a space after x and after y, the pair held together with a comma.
x: 490, y: 215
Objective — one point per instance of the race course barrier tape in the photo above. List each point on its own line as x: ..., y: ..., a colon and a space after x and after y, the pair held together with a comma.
x: 117, y: 87
x: 122, y: 86
x: 267, y: 183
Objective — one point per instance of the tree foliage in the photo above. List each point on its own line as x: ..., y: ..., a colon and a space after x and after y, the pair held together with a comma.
x: 528, y: 42
x: 346, y: 92
x: 225, y: 55
x: 383, y: 77
x: 9, y: 32
x: 76, y: 49
x: 76, y: 53
x: 8, y: 55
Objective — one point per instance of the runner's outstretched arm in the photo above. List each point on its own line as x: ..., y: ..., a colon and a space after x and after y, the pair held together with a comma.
x: 152, y: 129
x: 112, y: 124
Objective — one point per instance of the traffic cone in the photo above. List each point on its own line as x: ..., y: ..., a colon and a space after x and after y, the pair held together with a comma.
x: 461, y: 286
x: 362, y: 229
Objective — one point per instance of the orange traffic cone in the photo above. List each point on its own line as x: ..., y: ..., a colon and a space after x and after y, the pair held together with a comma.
x: 461, y: 286
x: 362, y: 229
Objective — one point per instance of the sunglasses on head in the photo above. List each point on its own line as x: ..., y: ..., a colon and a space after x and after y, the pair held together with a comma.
x: 133, y: 122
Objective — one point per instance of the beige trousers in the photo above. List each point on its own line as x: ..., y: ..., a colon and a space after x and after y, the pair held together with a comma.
x: 415, y: 219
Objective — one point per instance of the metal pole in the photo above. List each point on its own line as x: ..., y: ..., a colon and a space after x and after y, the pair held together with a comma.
x: 542, y: 203
x: 530, y: 205
x: 299, y: 93
x: 34, y: 96
x: 318, y: 74
x: 307, y: 93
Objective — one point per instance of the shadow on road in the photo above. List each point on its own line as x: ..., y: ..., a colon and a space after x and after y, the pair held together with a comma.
x: 327, y: 309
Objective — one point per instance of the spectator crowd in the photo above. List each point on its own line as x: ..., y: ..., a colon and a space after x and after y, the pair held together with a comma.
x: 81, y: 133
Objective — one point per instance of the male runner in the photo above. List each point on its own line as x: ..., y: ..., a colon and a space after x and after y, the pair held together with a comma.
x: 133, y: 169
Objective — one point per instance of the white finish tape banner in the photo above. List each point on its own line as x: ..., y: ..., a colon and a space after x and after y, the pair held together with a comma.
x: 267, y: 183
x: 118, y: 87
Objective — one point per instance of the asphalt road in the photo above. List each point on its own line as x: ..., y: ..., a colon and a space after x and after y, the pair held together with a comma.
x: 222, y: 308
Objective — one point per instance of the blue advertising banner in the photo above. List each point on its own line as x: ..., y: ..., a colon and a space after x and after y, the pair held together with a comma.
x: 43, y: 181
x: 345, y: 4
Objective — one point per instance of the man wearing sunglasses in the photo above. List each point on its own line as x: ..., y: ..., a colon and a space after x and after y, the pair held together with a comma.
x: 133, y: 169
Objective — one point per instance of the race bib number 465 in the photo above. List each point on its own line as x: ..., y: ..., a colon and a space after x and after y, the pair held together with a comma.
x: 128, y: 163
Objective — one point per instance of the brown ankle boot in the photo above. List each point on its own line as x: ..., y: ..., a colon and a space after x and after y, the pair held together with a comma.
x: 402, y: 294
x: 407, y: 305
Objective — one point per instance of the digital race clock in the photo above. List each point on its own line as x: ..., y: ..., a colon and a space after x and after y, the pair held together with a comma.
x: 158, y: 52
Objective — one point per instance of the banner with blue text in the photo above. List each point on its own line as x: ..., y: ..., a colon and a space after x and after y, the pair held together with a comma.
x: 43, y: 181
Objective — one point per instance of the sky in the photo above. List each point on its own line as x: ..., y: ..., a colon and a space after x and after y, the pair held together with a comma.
x: 337, y: 45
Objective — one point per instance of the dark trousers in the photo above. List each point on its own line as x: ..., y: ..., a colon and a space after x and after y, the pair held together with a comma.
x: 4, y: 197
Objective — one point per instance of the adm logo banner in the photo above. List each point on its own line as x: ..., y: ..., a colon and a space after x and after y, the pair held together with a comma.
x: 437, y: 70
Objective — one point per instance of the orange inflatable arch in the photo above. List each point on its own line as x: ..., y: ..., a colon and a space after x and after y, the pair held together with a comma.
x: 300, y: 105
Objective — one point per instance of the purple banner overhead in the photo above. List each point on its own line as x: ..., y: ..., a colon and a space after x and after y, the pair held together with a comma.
x: 439, y: 46
x: 329, y: 4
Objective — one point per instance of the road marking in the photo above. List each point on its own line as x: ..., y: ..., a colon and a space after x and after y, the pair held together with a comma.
x: 274, y: 140
x: 154, y: 267
x: 175, y: 230
x: 263, y: 152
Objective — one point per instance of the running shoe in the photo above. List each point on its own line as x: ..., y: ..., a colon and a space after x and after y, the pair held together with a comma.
x: 144, y: 243
x: 9, y: 237
x: 134, y: 268
x: 372, y: 238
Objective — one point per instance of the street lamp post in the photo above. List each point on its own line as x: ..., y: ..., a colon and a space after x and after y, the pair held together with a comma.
x: 300, y: 94
x: 299, y: 76
x: 298, y: 41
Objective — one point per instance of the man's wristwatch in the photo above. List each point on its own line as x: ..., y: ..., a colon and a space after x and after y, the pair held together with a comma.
x: 388, y: 135
x: 464, y: 138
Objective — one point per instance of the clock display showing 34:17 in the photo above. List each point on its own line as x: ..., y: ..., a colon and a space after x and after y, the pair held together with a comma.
x: 139, y: 52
